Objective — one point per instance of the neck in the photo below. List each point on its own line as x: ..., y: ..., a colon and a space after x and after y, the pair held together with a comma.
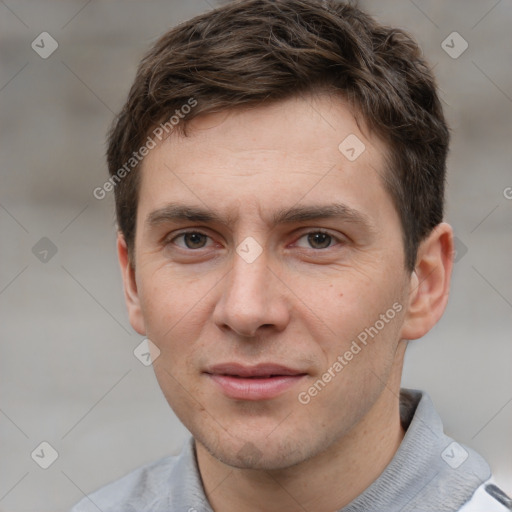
x: 324, y: 483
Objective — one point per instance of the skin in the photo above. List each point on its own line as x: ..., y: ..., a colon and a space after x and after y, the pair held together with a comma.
x: 301, y: 303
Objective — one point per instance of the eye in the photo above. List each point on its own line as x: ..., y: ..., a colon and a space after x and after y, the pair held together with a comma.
x: 191, y: 240
x: 316, y: 240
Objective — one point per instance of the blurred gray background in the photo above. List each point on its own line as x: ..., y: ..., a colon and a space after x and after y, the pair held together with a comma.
x: 68, y: 375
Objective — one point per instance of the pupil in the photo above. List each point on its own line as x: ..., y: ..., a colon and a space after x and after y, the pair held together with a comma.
x: 194, y: 240
x: 319, y: 240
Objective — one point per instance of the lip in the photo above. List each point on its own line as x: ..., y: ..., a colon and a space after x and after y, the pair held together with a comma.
x: 260, y: 382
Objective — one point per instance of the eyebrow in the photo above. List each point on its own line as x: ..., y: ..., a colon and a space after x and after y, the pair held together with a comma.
x: 174, y: 212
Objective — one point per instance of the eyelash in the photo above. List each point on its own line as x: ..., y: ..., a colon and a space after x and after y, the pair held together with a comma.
x: 315, y: 231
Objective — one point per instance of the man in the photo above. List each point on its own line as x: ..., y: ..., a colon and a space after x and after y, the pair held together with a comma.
x: 279, y: 174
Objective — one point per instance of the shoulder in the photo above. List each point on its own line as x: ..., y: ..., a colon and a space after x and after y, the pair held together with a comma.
x: 488, y: 497
x: 133, y: 492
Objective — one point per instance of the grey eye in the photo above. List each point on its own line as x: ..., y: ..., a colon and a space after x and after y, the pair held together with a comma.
x: 191, y: 240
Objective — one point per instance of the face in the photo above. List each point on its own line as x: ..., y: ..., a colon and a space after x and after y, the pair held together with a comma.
x: 269, y: 272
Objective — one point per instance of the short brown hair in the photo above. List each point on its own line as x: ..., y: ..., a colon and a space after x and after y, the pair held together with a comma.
x: 252, y: 52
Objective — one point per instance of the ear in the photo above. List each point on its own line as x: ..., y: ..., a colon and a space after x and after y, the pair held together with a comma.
x: 429, y: 283
x: 131, y: 295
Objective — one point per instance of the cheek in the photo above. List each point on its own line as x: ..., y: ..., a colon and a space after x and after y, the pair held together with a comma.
x: 176, y: 310
x: 173, y: 304
x: 181, y: 389
x: 354, y: 309
x: 343, y: 302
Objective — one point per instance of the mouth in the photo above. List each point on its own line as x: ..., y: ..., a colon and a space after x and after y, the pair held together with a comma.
x: 260, y: 382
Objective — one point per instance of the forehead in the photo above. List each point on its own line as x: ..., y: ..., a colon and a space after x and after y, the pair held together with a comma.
x: 305, y: 149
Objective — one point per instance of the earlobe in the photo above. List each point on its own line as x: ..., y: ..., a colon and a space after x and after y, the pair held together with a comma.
x: 131, y: 294
x: 430, y: 283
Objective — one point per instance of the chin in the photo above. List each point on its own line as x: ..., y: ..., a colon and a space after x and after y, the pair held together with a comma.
x: 261, y: 453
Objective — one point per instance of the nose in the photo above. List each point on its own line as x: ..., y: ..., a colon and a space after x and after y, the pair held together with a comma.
x: 253, y: 299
